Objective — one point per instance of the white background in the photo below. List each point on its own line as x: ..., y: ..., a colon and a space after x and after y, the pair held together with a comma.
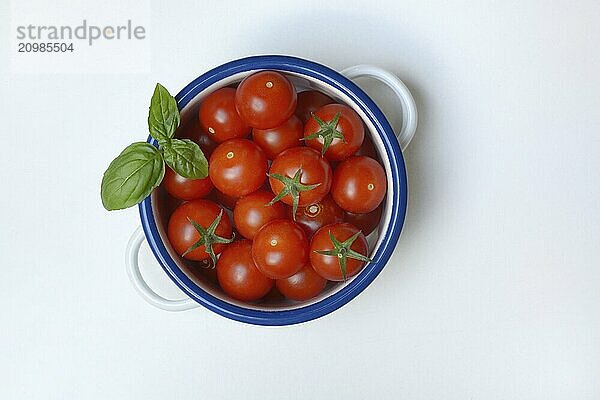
x: 494, y: 288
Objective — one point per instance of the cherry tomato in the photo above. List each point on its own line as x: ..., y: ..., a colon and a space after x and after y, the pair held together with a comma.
x: 185, y: 188
x: 303, y: 285
x: 184, y: 236
x: 280, y: 249
x: 237, y: 167
x: 301, y: 175
x: 238, y: 275
x: 265, y: 99
x: 219, y: 118
x: 316, y: 215
x: 346, y: 251
x: 335, y: 130
x: 251, y: 212
x: 310, y: 101
x: 359, y: 184
x: 365, y: 222
x: 275, y: 140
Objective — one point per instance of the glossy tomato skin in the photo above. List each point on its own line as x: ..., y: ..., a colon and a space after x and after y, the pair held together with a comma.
x: 265, y: 99
x: 238, y: 167
x: 251, y: 212
x: 310, y: 101
x: 219, y: 117
x: 316, y: 215
x: 280, y: 249
x: 275, y: 140
x: 365, y: 222
x: 315, y: 170
x: 359, y: 184
x: 238, y: 275
x: 349, y: 124
x: 303, y: 285
x: 185, y: 188
x: 328, y: 266
x: 182, y: 234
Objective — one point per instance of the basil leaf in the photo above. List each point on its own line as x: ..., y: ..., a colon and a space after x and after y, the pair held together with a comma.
x: 163, y: 118
x: 132, y: 176
x: 185, y: 157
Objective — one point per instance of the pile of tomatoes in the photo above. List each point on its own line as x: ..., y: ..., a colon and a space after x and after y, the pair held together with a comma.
x: 288, y: 208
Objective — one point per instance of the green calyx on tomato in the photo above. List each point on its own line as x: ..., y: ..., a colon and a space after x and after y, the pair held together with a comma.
x: 291, y: 187
x: 132, y: 176
x: 342, y: 251
x: 208, y: 237
x: 327, y: 131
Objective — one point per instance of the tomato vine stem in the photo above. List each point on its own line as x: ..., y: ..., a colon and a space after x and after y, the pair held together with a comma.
x: 208, y: 237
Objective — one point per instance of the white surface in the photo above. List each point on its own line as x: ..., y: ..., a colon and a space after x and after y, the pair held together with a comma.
x: 492, y: 292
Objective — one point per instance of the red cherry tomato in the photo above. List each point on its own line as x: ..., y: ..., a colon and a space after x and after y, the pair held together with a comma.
x: 238, y: 275
x: 183, y: 235
x: 265, y: 99
x: 185, y: 188
x: 310, y: 101
x: 219, y: 118
x: 280, y: 249
x: 303, y: 285
x: 365, y: 222
x: 275, y: 140
x: 359, y: 184
x: 335, y: 130
x: 237, y: 167
x: 251, y: 212
x: 341, y: 262
x: 303, y: 168
x: 316, y: 215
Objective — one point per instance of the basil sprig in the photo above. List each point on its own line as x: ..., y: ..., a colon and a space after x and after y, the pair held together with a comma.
x: 163, y: 118
x: 140, y: 168
x: 132, y: 176
x: 185, y: 158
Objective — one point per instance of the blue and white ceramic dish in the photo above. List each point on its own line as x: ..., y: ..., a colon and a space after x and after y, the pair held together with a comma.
x: 305, y: 74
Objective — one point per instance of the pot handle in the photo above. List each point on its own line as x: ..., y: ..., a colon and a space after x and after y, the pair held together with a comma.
x: 133, y: 271
x: 409, y: 109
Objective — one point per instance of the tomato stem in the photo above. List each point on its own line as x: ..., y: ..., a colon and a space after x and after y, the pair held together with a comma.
x: 342, y: 251
x: 291, y: 187
x: 208, y: 237
x: 327, y: 131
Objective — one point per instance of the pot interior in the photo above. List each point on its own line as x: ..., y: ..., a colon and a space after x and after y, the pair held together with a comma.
x: 163, y: 205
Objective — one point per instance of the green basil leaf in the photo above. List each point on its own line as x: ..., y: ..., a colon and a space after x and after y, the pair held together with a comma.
x: 132, y: 176
x: 163, y: 118
x: 185, y: 157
